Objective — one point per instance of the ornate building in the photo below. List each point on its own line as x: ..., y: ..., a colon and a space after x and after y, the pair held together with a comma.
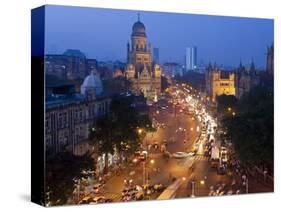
x: 245, y: 79
x: 219, y: 82
x: 69, y: 115
x: 144, y: 75
x: 270, y: 61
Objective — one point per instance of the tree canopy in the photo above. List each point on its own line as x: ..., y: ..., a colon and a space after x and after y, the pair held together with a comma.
x: 226, y: 101
x: 120, y: 127
x: 60, y: 172
x: 251, y: 129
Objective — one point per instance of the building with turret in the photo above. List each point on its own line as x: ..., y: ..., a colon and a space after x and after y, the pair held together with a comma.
x: 270, y: 60
x: 219, y: 82
x: 245, y: 79
x: 144, y: 75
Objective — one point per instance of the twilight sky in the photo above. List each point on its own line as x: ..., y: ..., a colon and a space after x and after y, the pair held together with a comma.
x: 103, y: 34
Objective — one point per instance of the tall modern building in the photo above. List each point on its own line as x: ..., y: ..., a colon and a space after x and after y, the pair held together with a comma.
x: 156, y: 55
x: 190, y: 58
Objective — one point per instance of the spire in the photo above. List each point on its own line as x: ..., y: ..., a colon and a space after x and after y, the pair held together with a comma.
x: 138, y: 17
x: 215, y: 65
x: 252, y: 67
x: 240, y: 64
x: 252, y: 63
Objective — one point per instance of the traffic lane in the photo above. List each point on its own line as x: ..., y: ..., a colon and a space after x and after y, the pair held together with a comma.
x: 167, y: 169
x: 173, y: 124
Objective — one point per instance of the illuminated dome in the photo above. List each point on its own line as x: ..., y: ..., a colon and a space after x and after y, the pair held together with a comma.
x: 92, y: 83
x: 138, y: 28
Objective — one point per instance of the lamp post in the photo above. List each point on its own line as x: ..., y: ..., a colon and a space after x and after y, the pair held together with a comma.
x: 247, y: 186
x: 192, y: 188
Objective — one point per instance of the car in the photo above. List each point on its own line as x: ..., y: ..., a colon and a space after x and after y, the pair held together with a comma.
x: 206, y: 152
x: 223, y: 150
x: 214, y: 163
x: 158, y: 187
x: 167, y: 154
x: 180, y: 155
x: 191, y: 154
x: 142, y: 157
x: 139, y: 195
x: 165, y: 142
x: 94, y: 200
x: 97, y: 187
x: 137, y: 153
x: 86, y: 200
x: 223, y: 158
x: 129, y: 191
x: 221, y: 170
x: 126, y: 198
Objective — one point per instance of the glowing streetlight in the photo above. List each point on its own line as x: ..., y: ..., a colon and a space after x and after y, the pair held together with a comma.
x: 233, y: 113
x: 202, y: 182
x: 152, y: 161
x: 140, y: 131
x: 229, y: 109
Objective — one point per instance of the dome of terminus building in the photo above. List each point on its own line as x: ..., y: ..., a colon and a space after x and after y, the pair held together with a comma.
x: 92, y: 82
x: 138, y: 28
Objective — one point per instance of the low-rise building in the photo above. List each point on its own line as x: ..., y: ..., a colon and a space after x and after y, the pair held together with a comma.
x: 219, y: 82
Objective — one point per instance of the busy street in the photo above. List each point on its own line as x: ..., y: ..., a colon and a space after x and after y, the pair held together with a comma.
x: 183, y: 157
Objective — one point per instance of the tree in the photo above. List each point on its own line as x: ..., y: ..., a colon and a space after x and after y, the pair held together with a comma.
x: 120, y: 128
x: 251, y: 129
x: 195, y: 79
x: 105, y: 134
x: 164, y: 83
x: 60, y: 172
x: 117, y: 85
x: 226, y: 102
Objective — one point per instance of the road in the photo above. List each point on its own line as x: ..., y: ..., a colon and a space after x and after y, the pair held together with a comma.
x: 180, y: 131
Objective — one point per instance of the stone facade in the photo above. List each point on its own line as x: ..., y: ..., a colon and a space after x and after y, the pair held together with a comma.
x: 144, y: 75
x: 69, y: 118
x: 219, y: 82
x: 245, y: 80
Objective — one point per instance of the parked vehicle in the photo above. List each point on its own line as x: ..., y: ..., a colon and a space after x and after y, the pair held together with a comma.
x: 221, y: 170
x: 215, y: 163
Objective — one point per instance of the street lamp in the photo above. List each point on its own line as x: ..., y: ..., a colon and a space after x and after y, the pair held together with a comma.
x: 140, y: 131
x: 233, y: 113
x: 202, y: 182
x: 247, y: 186
x: 192, y: 188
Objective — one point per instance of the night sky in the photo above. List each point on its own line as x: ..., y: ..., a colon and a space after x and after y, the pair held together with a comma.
x: 104, y: 33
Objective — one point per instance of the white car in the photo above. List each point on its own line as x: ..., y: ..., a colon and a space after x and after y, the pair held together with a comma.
x: 180, y: 155
x: 190, y: 154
